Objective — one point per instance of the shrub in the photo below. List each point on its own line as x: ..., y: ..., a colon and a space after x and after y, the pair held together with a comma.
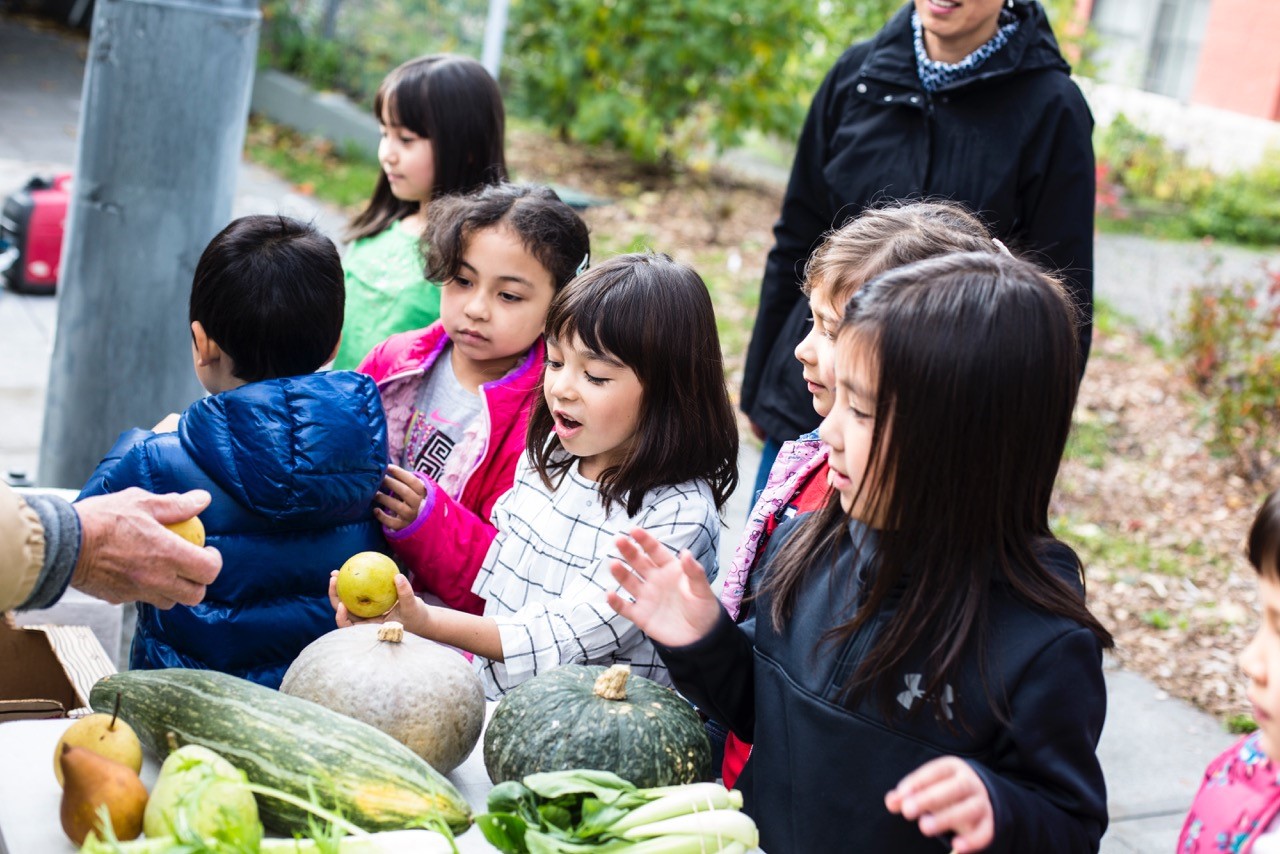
x: 1144, y: 184
x: 1230, y: 336
x: 661, y: 79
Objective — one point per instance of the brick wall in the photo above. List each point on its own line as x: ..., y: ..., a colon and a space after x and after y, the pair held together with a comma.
x: 1239, y: 60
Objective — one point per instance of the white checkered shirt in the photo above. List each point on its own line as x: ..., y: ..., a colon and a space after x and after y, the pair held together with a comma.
x: 545, y: 576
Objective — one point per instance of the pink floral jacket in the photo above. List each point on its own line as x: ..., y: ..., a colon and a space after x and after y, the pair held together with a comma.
x: 1237, y: 801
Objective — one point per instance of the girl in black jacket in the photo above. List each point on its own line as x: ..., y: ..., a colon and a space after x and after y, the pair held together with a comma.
x: 921, y: 662
x: 988, y: 117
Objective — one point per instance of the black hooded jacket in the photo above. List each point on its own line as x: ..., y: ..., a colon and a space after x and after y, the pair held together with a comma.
x: 1012, y: 142
x: 820, y: 768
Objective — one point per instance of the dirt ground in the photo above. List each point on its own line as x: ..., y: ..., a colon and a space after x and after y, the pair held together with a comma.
x: 1158, y: 519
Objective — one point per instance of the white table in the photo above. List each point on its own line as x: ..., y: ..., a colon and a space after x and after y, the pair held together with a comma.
x: 30, y: 796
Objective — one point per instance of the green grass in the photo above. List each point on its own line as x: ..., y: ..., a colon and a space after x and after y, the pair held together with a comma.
x: 1121, y: 552
x: 1241, y: 724
x: 343, y: 177
x: 1089, y: 442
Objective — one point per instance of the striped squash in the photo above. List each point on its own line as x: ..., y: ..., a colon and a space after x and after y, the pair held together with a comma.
x: 288, y: 743
x: 582, y: 716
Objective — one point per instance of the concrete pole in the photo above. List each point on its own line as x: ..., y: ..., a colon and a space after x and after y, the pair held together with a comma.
x: 162, y: 123
x: 495, y: 31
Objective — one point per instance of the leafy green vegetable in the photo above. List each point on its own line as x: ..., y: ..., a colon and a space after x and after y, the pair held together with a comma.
x: 604, y: 785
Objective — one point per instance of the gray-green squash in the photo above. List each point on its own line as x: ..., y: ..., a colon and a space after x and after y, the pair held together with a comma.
x: 591, y: 717
x: 424, y: 695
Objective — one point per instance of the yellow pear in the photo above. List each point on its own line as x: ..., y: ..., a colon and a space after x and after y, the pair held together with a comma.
x: 94, y: 782
x: 191, y: 530
x: 105, y: 735
x: 367, y: 584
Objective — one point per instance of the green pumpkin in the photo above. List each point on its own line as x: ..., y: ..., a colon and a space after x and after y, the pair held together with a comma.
x: 592, y: 718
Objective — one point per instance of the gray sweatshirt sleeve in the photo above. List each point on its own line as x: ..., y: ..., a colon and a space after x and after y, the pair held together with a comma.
x: 62, y: 549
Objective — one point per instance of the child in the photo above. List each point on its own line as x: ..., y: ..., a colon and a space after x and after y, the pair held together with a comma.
x: 879, y: 239
x: 633, y: 427
x: 442, y: 122
x: 292, y: 458
x: 927, y: 612
x: 457, y: 394
x: 1238, y: 805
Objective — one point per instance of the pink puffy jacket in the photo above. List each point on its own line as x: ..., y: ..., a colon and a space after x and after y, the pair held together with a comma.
x: 445, y: 546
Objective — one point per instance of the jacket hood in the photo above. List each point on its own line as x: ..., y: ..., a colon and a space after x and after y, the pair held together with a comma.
x: 1031, y: 47
x: 308, y: 446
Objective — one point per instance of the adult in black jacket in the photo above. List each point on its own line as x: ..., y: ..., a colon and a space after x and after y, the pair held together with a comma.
x: 1009, y: 139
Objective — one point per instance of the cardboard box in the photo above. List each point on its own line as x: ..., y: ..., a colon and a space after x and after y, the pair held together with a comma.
x: 48, y: 671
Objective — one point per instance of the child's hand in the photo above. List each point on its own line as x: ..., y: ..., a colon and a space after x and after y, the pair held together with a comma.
x: 168, y: 424
x: 409, y: 610
x: 401, y: 498
x: 673, y: 604
x: 946, y: 796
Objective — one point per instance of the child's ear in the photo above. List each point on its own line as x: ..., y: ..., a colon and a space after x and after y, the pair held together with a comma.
x: 207, y: 350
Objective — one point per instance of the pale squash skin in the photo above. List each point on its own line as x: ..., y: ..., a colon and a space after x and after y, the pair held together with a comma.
x: 424, y: 695
x: 557, y: 722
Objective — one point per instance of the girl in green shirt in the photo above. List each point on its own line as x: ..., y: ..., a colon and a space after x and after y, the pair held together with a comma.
x: 442, y: 124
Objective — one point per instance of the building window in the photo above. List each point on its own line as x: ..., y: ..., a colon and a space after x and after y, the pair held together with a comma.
x: 1151, y: 44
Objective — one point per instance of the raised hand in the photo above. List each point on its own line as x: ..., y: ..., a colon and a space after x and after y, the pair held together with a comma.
x: 399, y: 501
x: 946, y: 796
x: 671, y: 600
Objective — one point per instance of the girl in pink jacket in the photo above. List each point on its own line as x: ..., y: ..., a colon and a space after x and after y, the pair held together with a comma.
x: 457, y: 394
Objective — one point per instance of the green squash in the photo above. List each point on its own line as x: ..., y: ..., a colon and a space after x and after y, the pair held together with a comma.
x: 592, y: 718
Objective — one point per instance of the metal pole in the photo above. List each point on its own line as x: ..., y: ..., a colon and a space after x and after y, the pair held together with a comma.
x: 162, y: 123
x: 495, y: 29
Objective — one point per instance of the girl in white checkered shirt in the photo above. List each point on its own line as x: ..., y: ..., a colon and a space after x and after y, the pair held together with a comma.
x: 634, y: 428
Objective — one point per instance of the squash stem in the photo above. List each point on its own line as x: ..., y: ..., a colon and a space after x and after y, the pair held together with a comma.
x: 612, y: 684
x: 306, y: 806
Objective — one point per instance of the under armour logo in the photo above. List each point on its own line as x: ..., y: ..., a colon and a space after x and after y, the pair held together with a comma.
x: 914, y: 692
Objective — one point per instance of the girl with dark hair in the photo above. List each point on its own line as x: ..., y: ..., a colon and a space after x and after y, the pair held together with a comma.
x: 634, y: 427
x: 442, y: 125
x: 457, y: 394
x: 877, y: 240
x: 920, y: 662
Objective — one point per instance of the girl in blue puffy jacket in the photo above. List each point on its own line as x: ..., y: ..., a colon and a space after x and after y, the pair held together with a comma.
x: 293, y: 458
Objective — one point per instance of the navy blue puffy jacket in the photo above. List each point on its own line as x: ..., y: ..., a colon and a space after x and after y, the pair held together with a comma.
x: 293, y: 465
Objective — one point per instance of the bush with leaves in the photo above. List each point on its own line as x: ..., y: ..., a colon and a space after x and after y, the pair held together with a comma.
x: 1148, y: 186
x: 1230, y: 336
x: 662, y: 79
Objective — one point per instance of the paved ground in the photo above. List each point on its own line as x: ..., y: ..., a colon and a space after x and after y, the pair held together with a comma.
x: 1153, y: 748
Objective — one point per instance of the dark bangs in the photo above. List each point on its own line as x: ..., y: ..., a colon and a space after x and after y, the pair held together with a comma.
x: 452, y: 101
x: 655, y: 316
x: 1264, y: 538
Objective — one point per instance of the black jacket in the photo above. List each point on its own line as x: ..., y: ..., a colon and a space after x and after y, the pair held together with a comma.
x: 1012, y: 143
x: 819, y: 771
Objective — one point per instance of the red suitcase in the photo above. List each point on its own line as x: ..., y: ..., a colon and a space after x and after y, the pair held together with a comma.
x: 32, y: 225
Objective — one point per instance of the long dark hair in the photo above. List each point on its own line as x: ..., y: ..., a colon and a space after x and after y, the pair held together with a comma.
x: 452, y: 101
x: 549, y: 229
x: 655, y: 316
x: 977, y: 363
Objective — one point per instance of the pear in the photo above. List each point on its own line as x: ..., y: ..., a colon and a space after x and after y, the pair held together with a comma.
x: 106, y: 735
x: 94, y: 782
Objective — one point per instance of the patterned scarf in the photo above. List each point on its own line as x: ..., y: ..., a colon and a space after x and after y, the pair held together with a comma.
x: 936, y: 75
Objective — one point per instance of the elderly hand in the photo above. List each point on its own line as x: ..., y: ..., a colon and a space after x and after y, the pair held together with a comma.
x: 126, y: 553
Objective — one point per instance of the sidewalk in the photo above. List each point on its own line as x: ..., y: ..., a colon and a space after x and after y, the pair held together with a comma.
x: 1153, y: 749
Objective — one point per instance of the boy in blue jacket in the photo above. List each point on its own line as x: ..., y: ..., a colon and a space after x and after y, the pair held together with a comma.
x: 293, y: 458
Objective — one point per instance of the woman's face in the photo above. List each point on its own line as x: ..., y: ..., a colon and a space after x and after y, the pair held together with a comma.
x: 953, y: 29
